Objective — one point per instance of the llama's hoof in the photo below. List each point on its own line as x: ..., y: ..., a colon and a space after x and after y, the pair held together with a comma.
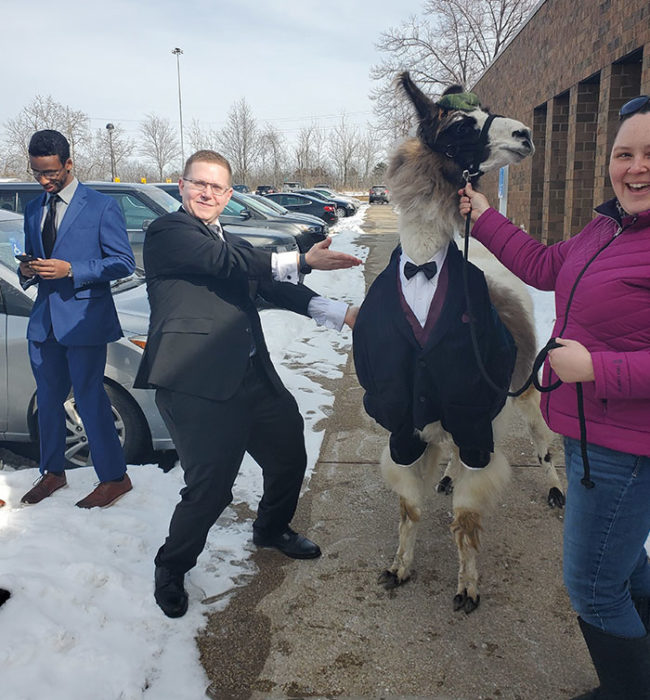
x: 445, y: 485
x: 556, y: 498
x: 389, y: 579
x: 466, y: 603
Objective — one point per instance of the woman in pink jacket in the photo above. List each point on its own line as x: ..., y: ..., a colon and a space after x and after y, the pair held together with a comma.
x: 601, y: 279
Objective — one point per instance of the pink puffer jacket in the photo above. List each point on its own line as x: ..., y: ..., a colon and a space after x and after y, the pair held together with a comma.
x: 609, y: 314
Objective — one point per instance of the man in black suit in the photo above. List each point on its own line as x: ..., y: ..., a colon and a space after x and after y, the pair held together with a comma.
x: 216, y: 387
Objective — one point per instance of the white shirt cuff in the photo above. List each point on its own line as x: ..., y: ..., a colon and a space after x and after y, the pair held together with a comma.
x: 327, y: 312
x: 284, y: 267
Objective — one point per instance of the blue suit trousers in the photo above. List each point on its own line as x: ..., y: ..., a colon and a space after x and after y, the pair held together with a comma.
x: 56, y: 369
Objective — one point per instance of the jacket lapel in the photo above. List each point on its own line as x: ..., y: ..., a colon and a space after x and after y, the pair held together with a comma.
x: 77, y: 203
x: 34, y: 228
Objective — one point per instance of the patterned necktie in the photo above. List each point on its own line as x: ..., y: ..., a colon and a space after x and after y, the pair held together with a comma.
x: 49, y: 226
x: 429, y: 269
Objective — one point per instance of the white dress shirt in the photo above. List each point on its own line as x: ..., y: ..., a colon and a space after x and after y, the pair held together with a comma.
x: 418, y: 291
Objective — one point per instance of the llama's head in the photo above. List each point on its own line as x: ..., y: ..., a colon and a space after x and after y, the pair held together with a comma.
x: 455, y: 135
x: 469, y: 138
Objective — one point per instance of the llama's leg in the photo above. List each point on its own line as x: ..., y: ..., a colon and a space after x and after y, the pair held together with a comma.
x: 528, y: 404
x: 411, y: 484
x: 446, y: 484
x: 475, y: 493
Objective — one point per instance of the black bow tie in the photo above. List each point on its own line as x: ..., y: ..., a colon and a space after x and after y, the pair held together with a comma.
x: 429, y: 269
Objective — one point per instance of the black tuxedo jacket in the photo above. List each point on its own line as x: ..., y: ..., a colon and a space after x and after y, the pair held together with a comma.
x: 408, y: 386
x: 203, y: 317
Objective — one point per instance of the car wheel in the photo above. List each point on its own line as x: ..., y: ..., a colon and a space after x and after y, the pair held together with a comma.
x: 129, y: 422
x: 340, y: 212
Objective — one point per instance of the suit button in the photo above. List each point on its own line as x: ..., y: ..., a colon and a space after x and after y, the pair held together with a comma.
x: 248, y: 330
x: 422, y: 399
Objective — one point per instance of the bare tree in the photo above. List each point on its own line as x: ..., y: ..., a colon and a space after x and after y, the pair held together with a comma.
x: 368, y: 153
x: 454, y: 42
x: 200, y: 138
x: 272, y: 150
x: 343, y: 150
x: 159, y: 142
x: 45, y: 113
x: 239, y: 140
x: 303, y: 151
x: 95, y: 161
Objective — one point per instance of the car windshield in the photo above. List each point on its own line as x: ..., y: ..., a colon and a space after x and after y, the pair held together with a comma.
x: 274, y: 206
x: 11, y: 241
x: 258, y: 205
x: 164, y: 199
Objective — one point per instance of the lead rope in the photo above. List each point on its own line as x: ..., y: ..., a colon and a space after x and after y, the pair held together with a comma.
x: 541, y: 356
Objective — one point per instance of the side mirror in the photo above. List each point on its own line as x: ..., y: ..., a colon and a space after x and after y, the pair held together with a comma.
x: 245, y: 214
x: 146, y: 223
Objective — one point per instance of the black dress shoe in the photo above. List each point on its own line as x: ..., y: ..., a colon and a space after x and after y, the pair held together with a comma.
x: 290, y: 543
x: 170, y: 594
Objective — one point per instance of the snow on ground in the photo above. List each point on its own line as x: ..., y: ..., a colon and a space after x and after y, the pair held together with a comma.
x: 82, y: 622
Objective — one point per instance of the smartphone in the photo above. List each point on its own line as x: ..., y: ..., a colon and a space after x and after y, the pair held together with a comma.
x: 25, y: 258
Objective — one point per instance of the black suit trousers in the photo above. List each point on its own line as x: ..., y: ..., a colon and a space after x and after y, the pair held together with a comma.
x: 211, y: 438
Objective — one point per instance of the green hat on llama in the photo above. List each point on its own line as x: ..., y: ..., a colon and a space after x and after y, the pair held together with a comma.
x: 465, y: 101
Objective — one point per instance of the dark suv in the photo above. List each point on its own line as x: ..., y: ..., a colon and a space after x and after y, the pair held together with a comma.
x: 141, y: 204
x: 378, y: 193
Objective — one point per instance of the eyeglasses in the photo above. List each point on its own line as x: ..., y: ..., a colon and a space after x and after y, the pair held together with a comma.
x: 202, y: 186
x: 47, y: 174
x: 634, y: 105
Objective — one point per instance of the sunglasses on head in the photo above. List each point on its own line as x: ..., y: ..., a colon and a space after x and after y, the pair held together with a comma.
x: 634, y: 105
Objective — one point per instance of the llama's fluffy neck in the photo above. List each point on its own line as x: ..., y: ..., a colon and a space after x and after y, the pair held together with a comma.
x: 427, y: 226
x: 426, y: 199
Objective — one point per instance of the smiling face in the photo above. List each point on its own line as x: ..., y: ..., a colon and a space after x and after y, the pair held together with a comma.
x: 629, y: 164
x: 201, y: 200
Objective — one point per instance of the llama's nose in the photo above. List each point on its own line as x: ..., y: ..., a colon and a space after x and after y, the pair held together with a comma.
x: 525, y: 136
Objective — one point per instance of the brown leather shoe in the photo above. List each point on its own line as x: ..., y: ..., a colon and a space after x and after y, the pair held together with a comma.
x: 45, y: 486
x: 106, y: 493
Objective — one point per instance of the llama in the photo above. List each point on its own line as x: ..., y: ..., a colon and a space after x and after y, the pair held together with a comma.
x: 424, y: 176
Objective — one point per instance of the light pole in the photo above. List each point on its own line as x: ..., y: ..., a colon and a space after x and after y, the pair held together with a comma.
x: 109, y: 128
x: 177, y: 52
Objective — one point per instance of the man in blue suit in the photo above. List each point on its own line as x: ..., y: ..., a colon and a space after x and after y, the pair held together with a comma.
x: 78, y: 243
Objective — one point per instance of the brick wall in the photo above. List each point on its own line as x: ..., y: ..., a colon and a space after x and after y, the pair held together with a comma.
x: 566, y: 74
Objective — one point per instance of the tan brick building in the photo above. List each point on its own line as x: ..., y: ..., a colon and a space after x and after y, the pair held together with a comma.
x: 566, y: 74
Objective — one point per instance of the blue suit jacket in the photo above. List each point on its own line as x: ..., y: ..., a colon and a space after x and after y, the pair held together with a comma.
x: 92, y: 238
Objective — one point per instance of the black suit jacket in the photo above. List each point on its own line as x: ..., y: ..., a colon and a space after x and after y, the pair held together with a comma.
x: 203, y: 316
x: 408, y: 386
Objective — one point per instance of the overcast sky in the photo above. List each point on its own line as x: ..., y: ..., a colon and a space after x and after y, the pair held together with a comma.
x: 294, y: 62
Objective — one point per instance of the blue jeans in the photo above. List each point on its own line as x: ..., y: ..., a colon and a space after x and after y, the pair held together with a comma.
x: 605, y: 529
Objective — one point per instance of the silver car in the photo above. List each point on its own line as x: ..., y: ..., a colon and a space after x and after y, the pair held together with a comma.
x: 139, y: 425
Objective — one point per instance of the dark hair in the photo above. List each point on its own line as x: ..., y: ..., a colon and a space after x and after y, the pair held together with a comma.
x: 207, y: 157
x: 49, y: 143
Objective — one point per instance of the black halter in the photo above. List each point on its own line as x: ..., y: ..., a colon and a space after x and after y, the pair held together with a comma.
x: 468, y: 154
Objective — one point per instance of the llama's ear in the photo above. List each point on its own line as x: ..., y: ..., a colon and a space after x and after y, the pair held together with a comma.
x: 424, y: 106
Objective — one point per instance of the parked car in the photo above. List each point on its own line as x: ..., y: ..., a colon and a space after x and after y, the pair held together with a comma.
x: 378, y: 193
x: 306, y: 205
x: 290, y: 186
x: 241, y: 188
x: 242, y: 209
x: 343, y: 207
x: 139, y: 425
x: 329, y: 192
x: 265, y: 189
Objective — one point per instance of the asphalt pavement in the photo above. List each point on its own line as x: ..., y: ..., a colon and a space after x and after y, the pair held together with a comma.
x: 326, y: 629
